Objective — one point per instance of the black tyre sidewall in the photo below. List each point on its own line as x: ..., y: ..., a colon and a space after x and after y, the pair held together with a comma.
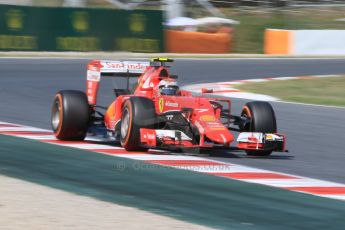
x: 263, y: 117
x: 142, y: 115
x: 75, y: 115
x: 263, y: 120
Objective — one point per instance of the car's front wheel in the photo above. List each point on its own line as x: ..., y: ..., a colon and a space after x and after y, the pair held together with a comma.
x: 263, y: 120
x: 137, y: 113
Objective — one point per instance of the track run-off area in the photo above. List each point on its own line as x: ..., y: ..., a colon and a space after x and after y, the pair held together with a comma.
x: 314, y: 137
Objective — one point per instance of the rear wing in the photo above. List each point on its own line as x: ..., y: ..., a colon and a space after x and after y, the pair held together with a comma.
x: 117, y: 68
x: 105, y: 68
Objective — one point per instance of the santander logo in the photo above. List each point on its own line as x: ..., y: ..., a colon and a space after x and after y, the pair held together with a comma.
x: 114, y: 65
x: 137, y: 66
x: 151, y: 136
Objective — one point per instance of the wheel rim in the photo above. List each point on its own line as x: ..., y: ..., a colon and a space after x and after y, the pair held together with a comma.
x: 125, y: 123
x: 246, y: 127
x: 56, y: 115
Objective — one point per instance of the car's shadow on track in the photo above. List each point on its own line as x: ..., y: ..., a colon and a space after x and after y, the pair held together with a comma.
x: 234, y: 153
x: 231, y: 153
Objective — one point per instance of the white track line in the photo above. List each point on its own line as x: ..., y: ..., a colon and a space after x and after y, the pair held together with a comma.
x: 87, y: 146
x: 34, y: 137
x: 20, y: 129
x: 303, y: 182
x: 337, y: 197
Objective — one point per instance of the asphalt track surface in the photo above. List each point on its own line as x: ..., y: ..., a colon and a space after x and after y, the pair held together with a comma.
x: 315, y: 134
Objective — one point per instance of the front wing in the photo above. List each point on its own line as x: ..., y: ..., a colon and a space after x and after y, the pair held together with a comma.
x: 246, y: 140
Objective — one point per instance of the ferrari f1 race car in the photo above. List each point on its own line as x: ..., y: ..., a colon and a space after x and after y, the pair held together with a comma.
x: 151, y: 111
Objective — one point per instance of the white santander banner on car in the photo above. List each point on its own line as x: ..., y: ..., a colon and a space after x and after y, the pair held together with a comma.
x: 305, y: 42
x: 123, y: 66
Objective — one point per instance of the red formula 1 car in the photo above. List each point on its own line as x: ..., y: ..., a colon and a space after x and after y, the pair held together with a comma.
x: 155, y: 113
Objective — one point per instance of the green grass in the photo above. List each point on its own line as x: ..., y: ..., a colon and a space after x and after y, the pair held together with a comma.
x: 321, y: 91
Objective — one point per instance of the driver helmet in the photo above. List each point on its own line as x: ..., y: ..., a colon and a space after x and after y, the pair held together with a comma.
x: 168, y: 87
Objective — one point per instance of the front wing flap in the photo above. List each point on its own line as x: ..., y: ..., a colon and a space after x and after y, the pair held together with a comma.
x: 261, y: 141
x: 162, y: 137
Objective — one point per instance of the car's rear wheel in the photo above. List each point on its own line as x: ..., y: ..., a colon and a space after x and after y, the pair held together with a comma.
x: 137, y: 113
x: 262, y: 120
x: 70, y: 115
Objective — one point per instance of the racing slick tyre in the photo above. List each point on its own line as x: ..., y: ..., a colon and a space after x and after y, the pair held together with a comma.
x: 263, y: 120
x: 137, y: 113
x: 70, y: 115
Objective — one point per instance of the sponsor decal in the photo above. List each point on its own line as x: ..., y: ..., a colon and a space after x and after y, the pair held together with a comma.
x: 148, y: 136
x: 90, y: 98
x: 202, y: 110
x: 117, y: 66
x: 137, y: 23
x: 114, y: 65
x: 169, y: 117
x: 146, y: 45
x: 93, y: 75
x: 214, y: 123
x: 151, y: 136
x: 217, y: 128
x: 250, y: 137
x: 80, y: 21
x: 273, y: 137
x: 136, y: 67
x: 171, y: 104
x: 78, y: 43
x: 18, y: 42
x: 172, y: 134
x: 208, y: 118
x: 269, y: 137
x: 14, y: 19
x: 161, y: 104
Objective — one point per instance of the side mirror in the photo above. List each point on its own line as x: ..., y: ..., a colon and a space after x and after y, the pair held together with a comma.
x: 204, y: 90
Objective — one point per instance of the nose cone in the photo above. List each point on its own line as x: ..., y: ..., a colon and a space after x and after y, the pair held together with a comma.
x: 222, y: 136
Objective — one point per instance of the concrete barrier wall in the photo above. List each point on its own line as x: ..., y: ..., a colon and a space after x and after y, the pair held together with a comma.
x: 277, y: 41
x: 304, y: 42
